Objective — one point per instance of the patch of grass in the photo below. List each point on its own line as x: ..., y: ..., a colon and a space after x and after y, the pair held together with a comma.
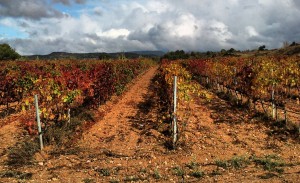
x: 156, y: 174
x: 88, y: 180
x: 104, y: 171
x: 16, y: 174
x: 143, y: 170
x: 222, y: 163
x: 197, y: 173
x: 192, y: 165
x: 22, y: 154
x: 271, y: 163
x: 236, y: 162
x: 178, y: 171
x: 215, y: 172
x: 239, y: 162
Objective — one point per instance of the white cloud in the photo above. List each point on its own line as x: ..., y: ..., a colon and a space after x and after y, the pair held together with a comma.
x: 220, y: 30
x: 186, y: 25
x: 114, y: 33
x: 149, y: 25
x: 157, y: 6
x: 251, y: 31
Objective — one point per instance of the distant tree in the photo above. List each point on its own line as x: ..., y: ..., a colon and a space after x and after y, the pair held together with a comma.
x: 293, y: 44
x: 103, y: 56
x: 262, y: 48
x: 7, y: 53
x: 231, y: 50
x: 211, y: 54
x: 178, y: 54
x: 223, y: 51
x: 193, y: 54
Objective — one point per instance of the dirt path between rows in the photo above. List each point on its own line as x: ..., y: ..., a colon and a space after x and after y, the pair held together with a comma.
x: 115, y: 131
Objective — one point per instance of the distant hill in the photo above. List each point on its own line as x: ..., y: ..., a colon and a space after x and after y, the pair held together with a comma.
x: 99, y: 55
x: 293, y: 49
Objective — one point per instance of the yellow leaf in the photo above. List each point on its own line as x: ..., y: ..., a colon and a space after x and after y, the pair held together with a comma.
x: 52, y: 116
x: 23, y: 108
x: 49, y: 98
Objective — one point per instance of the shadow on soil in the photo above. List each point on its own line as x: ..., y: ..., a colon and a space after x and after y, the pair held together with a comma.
x: 6, y: 112
x: 149, y: 118
x: 226, y: 110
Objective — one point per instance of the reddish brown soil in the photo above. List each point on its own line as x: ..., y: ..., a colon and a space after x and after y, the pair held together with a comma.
x: 9, y: 135
x: 128, y: 145
x: 116, y: 130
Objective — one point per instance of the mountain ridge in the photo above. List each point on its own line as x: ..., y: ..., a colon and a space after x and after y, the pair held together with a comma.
x: 98, y: 55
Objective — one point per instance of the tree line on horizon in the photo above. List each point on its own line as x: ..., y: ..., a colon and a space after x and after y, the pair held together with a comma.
x: 8, y: 53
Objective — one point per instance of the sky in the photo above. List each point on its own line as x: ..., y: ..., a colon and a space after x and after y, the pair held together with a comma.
x: 45, y: 26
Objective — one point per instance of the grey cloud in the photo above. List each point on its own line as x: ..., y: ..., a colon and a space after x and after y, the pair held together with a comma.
x: 190, y: 25
x: 274, y: 23
x: 80, y: 1
x: 247, y: 7
x: 81, y: 45
x: 24, y: 25
x: 98, y: 11
x: 30, y: 9
x: 68, y: 2
x: 160, y: 37
x: 297, y: 3
x: 65, y: 2
x: 32, y: 46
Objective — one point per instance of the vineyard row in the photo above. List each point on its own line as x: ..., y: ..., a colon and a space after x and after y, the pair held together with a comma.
x: 64, y: 85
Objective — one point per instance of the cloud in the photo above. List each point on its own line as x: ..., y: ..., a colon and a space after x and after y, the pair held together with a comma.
x: 191, y: 25
x: 68, y: 2
x: 98, y: 11
x: 114, y: 33
x: 65, y: 2
x: 297, y: 3
x: 30, y: 9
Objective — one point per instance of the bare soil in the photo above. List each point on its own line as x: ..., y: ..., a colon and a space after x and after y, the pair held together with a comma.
x: 220, y: 143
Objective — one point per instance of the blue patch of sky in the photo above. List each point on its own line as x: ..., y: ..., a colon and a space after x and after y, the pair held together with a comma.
x: 11, y: 33
x: 73, y: 10
x: 76, y: 10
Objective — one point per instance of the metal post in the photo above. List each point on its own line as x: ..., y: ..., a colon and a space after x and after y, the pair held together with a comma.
x: 273, y: 97
x: 273, y: 103
x: 174, y: 112
x: 38, y: 121
x: 69, y: 115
